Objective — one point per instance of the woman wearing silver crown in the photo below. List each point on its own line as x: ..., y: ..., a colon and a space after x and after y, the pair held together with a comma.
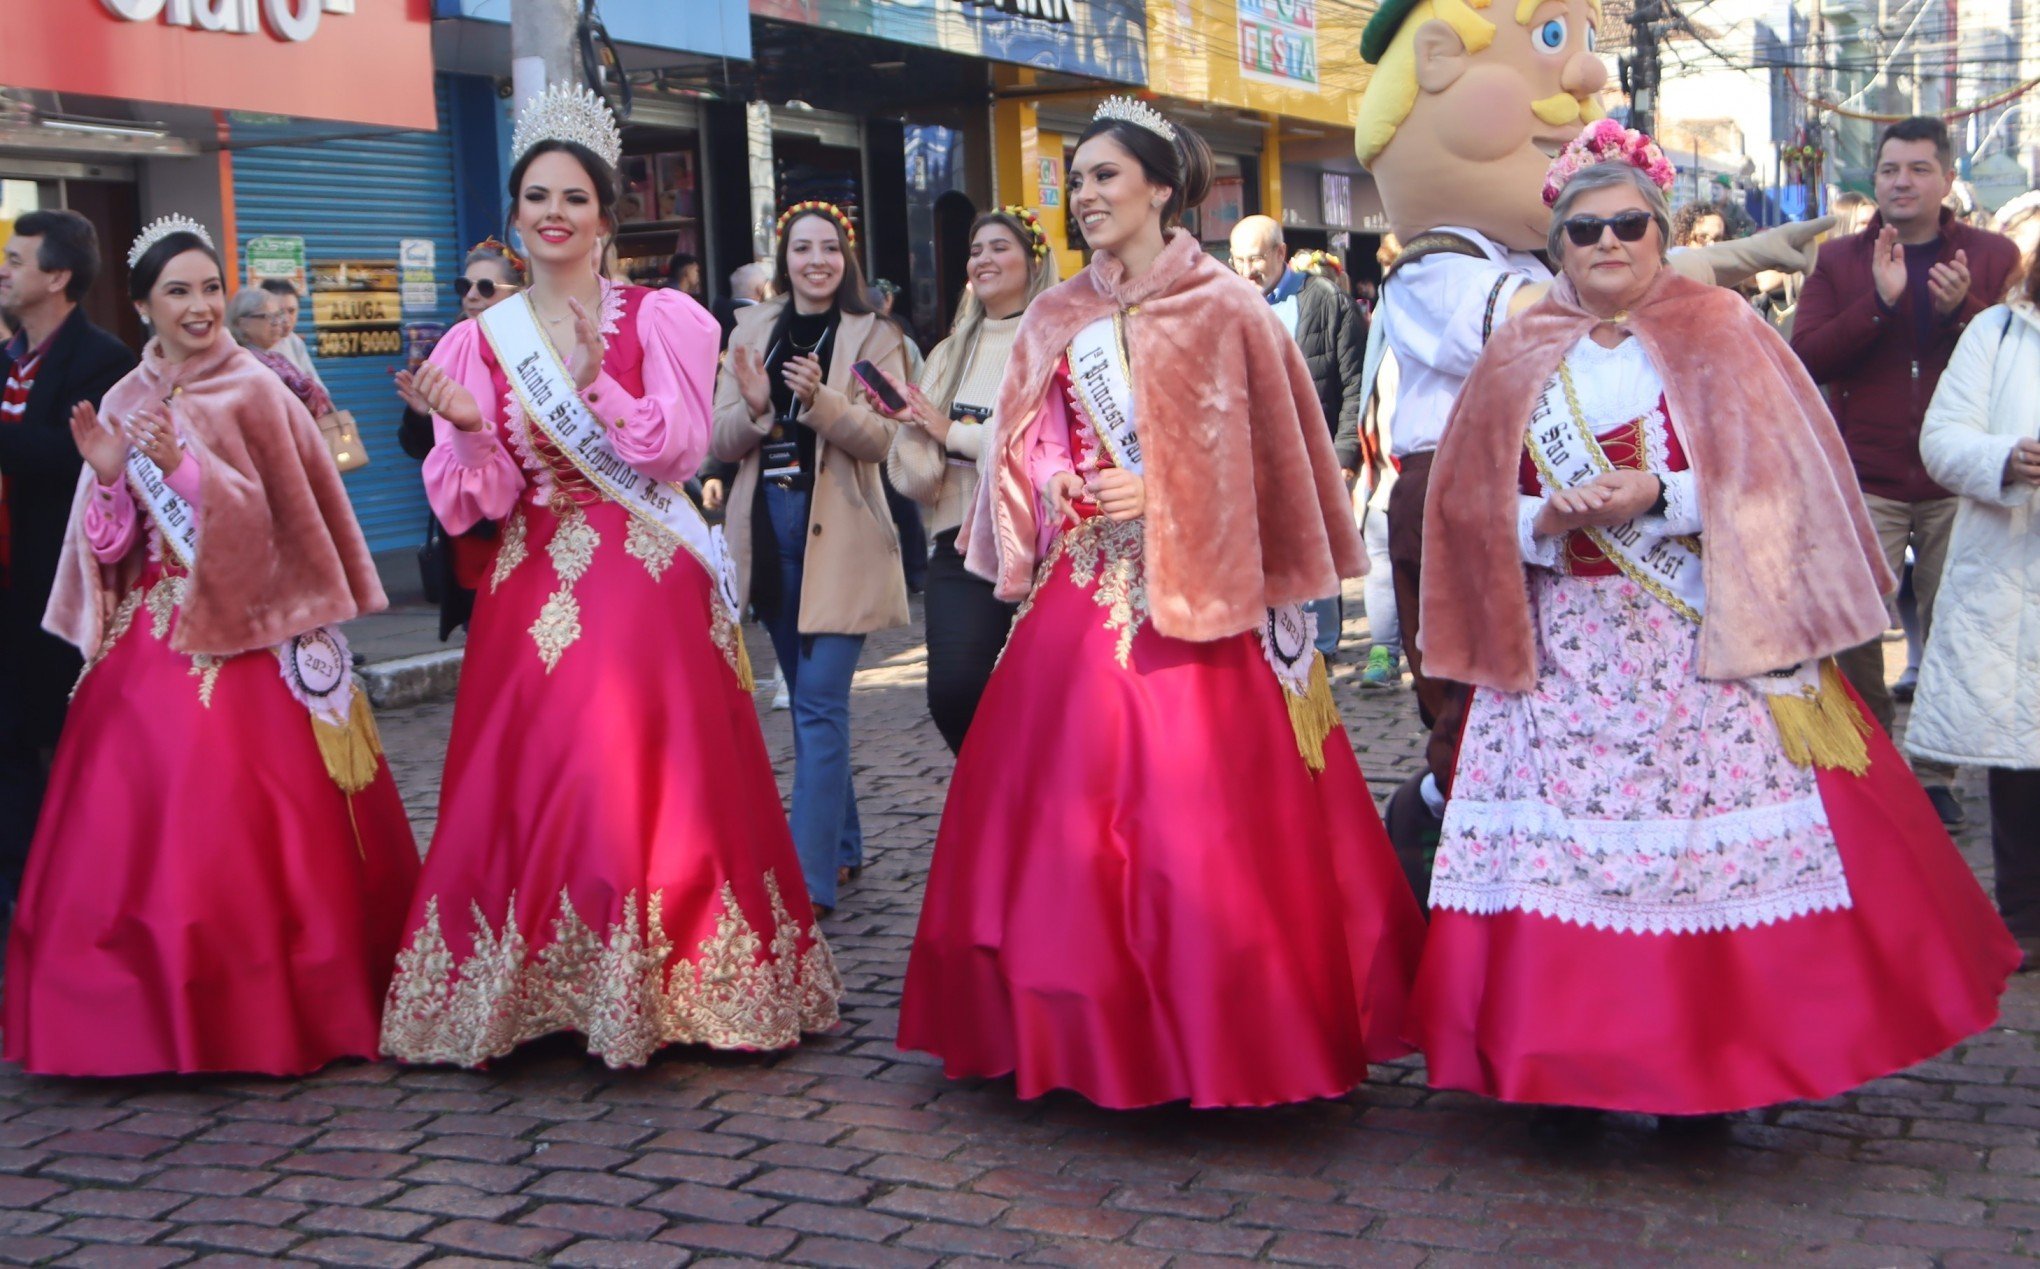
x: 222, y: 864
x: 611, y: 857
x: 1166, y: 880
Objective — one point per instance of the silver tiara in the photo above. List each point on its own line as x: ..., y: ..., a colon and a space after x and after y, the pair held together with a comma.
x: 567, y: 114
x: 161, y: 229
x: 1137, y: 113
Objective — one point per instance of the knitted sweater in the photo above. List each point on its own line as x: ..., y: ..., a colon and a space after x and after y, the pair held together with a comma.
x: 943, y: 477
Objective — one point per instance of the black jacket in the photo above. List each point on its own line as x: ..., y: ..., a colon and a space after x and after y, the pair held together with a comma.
x: 37, y: 670
x: 1332, y: 331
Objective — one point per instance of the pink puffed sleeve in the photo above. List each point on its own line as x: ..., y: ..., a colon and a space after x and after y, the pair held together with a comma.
x: 112, y: 520
x: 663, y: 433
x: 470, y: 476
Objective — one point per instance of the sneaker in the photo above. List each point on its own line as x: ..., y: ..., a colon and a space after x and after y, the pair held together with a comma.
x: 1908, y: 682
x: 1945, y: 805
x: 781, y: 698
x: 1384, y: 669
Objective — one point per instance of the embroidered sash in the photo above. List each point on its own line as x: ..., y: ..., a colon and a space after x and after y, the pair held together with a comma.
x: 1103, y: 391
x: 1567, y: 455
x: 552, y: 404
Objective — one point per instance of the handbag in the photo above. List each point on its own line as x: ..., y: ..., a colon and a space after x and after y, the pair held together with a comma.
x: 343, y: 440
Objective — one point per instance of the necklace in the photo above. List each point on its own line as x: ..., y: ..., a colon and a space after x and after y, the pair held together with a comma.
x: 801, y: 350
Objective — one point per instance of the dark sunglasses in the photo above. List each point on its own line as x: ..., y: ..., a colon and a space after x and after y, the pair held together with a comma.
x: 461, y: 286
x: 1629, y: 226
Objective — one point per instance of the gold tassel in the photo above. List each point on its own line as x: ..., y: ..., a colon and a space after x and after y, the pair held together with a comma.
x: 745, y: 675
x: 1313, y: 715
x: 351, y: 750
x: 1824, y: 728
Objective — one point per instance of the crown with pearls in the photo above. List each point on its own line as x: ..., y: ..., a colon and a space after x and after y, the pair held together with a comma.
x: 574, y: 114
x: 158, y: 230
x: 1137, y: 113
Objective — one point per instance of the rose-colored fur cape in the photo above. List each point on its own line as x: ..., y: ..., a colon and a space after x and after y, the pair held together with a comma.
x: 1791, y: 566
x: 279, y: 550
x: 1246, y: 508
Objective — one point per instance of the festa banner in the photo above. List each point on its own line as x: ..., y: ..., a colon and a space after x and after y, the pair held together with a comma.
x: 1278, y: 42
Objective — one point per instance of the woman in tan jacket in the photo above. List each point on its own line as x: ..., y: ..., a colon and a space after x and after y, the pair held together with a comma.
x: 814, y: 545
x: 934, y: 455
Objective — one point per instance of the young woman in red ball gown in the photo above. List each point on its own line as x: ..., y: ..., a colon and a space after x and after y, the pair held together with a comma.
x: 1159, y: 875
x: 219, y: 878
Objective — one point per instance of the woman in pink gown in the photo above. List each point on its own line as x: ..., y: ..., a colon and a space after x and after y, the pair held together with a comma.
x: 611, y: 857
x: 219, y: 878
x: 1159, y: 875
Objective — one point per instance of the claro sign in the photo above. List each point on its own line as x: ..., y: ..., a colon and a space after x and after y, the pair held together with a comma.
x: 354, y: 61
x: 287, y: 19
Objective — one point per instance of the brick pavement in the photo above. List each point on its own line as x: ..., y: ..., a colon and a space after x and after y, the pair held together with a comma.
x: 847, y: 1152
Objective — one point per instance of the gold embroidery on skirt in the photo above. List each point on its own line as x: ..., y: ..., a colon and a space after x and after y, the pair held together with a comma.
x: 1109, y: 552
x: 164, y: 599
x: 572, y: 551
x: 206, y: 669
x: 654, y: 548
x: 511, y: 552
x: 120, y: 623
x: 628, y: 993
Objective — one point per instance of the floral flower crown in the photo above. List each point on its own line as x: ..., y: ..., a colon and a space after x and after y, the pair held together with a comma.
x: 503, y: 249
x: 1030, y: 220
x: 1317, y: 263
x: 1606, y: 141
x: 818, y: 207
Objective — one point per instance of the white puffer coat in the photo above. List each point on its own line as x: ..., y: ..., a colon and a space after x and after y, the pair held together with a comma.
x: 1979, y: 690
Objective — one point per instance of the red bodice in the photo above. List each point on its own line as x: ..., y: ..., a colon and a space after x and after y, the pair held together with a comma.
x: 1625, y: 445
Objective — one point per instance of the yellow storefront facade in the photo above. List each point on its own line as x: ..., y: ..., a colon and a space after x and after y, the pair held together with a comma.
x: 1273, y: 85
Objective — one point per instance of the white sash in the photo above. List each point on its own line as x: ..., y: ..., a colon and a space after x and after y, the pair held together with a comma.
x: 1104, y: 387
x: 551, y: 402
x: 1104, y: 393
x: 1567, y: 455
x: 316, y: 665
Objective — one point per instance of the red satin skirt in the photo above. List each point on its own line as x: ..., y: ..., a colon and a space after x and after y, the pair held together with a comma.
x: 1139, y: 890
x: 200, y: 895
x: 1528, y: 1008
x: 611, y: 856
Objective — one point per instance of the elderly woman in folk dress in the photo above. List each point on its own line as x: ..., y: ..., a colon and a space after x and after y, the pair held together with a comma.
x: 1679, y: 873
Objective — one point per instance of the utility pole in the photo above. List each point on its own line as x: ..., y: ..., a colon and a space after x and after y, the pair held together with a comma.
x: 1644, y: 65
x: 541, y: 46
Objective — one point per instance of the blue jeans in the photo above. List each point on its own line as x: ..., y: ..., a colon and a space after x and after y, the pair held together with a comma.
x: 1331, y: 620
x: 818, y: 669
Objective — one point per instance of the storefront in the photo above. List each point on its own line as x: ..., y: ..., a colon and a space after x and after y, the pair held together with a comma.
x: 304, y: 133
x: 881, y: 105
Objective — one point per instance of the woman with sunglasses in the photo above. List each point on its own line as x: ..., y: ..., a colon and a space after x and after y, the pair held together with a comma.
x: 1680, y: 872
x: 455, y: 564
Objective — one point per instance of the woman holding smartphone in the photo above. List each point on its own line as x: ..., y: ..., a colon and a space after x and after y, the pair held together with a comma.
x: 814, y: 547
x: 934, y: 456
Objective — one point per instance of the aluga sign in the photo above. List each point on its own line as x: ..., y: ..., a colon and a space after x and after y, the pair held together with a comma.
x: 295, y: 20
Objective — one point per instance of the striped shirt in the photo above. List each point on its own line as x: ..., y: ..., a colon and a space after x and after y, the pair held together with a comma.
x: 13, y: 409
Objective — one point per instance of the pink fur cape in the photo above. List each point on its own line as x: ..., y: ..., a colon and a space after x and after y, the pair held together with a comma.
x: 279, y: 550
x: 1791, y: 566
x: 1246, y: 508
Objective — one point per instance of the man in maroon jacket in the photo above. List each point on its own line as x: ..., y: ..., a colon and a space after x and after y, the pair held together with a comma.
x: 1877, y: 321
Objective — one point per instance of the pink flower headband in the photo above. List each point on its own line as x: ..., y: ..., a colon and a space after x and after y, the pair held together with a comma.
x: 1606, y: 141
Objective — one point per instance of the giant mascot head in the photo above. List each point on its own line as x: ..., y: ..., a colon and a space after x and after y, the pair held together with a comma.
x: 1468, y: 103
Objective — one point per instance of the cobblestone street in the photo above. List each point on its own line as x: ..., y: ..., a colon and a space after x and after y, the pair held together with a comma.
x: 848, y: 1152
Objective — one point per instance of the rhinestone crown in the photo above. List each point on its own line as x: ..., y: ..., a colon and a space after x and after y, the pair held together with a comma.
x: 158, y: 230
x: 568, y: 114
x: 1137, y: 113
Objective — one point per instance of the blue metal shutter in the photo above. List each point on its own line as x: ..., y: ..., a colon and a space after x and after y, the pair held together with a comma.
x: 354, y: 200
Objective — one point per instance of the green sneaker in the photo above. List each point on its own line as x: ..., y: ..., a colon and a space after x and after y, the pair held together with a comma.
x: 1384, y: 669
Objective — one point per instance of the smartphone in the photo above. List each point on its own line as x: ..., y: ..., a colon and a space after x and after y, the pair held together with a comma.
x: 879, y: 386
